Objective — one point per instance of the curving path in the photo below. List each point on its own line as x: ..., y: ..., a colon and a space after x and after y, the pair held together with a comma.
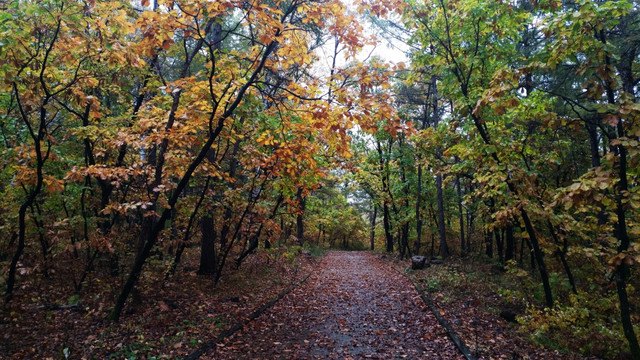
x: 353, y: 306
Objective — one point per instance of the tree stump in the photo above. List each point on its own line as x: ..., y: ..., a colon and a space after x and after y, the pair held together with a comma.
x: 419, y: 262
x: 509, y: 315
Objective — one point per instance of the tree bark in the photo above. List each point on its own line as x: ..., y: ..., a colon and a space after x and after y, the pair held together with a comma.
x: 418, y: 214
x: 372, y: 232
x: 300, y: 217
x: 500, y: 245
x: 187, y: 232
x: 488, y: 241
x: 38, y: 137
x: 444, y: 249
x: 461, y: 216
x: 510, y: 245
x: 385, y: 201
x: 207, y: 246
x: 623, y: 270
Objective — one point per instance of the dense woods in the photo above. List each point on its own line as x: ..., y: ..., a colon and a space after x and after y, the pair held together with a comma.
x: 141, y: 137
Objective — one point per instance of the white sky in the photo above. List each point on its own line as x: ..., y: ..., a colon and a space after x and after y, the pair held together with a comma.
x: 388, y: 49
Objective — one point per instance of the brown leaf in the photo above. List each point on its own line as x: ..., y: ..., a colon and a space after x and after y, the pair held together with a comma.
x: 611, y: 119
x: 163, y: 306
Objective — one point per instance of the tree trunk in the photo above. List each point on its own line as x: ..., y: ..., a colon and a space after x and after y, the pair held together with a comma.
x: 521, y: 262
x: 187, y: 232
x: 300, y: 218
x: 387, y: 228
x: 461, y: 216
x: 253, y: 242
x: 418, y: 215
x: 33, y: 194
x: 489, y: 243
x: 215, y: 129
x: 444, y: 249
x: 433, y: 242
x: 372, y: 232
x: 404, y: 243
x: 509, y: 252
x: 500, y: 245
x: 207, y: 246
x: 623, y: 270
x: 385, y: 208
x: 470, y: 218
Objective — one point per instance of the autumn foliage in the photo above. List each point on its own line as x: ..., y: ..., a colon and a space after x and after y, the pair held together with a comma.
x: 141, y: 137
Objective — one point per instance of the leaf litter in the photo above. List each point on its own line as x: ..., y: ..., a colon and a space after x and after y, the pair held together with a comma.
x: 353, y: 306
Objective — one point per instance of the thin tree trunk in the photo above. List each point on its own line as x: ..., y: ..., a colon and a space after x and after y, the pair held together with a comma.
x: 623, y: 270
x: 433, y: 243
x: 385, y: 207
x: 470, y: 218
x: 521, y: 252
x: 187, y: 232
x: 489, y: 243
x: 300, y: 217
x: 461, y: 216
x: 562, y: 255
x: 509, y: 253
x: 387, y: 228
x: 444, y: 249
x: 500, y: 245
x: 253, y: 242
x: 404, y: 243
x: 38, y: 137
x: 372, y: 232
x: 418, y: 214
x: 216, y: 128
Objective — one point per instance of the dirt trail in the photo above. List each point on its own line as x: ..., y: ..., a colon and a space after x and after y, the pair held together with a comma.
x: 353, y: 306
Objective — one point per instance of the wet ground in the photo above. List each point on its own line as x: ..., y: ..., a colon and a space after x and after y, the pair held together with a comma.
x: 353, y: 306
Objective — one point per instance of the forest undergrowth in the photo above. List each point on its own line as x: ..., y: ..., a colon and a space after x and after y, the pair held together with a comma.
x: 476, y: 295
x: 167, y: 319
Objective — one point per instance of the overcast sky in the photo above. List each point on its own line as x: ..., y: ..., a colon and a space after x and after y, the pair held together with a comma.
x: 389, y: 47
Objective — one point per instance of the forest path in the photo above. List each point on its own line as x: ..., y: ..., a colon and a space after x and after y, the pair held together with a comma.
x: 354, y: 305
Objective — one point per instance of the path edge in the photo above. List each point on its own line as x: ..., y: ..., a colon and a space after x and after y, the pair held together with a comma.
x: 240, y: 324
x: 445, y: 324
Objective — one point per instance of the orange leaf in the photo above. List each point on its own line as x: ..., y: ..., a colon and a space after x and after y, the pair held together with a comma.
x: 166, y: 44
